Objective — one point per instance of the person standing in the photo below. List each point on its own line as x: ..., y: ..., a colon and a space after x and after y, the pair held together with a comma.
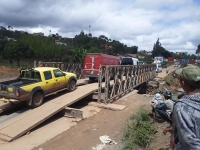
x: 186, y: 113
x: 167, y: 70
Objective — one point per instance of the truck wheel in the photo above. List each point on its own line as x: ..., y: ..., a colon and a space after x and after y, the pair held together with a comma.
x: 37, y: 99
x: 72, y: 85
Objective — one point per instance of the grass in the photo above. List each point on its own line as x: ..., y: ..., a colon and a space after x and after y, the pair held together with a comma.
x: 139, y: 131
x: 170, y: 63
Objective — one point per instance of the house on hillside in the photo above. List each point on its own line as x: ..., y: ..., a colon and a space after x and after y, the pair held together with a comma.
x: 60, y: 43
x: 144, y: 52
x: 149, y: 53
x: 131, y: 55
x: 38, y: 34
x: 141, y: 56
x: 66, y: 38
x: 106, y: 46
x: 10, y: 39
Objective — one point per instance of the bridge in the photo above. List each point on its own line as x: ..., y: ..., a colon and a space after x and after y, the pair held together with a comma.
x: 113, y: 83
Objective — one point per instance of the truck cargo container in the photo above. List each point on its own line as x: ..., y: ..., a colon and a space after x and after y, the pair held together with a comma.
x: 171, y: 59
x: 185, y: 60
x: 192, y: 61
x: 93, y: 61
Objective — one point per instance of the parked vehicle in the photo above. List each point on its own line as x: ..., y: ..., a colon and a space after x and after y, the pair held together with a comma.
x: 129, y: 61
x: 141, y: 63
x: 34, y: 84
x: 93, y: 61
x: 158, y: 68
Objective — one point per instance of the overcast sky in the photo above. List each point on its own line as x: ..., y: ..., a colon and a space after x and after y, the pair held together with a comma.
x: 132, y: 22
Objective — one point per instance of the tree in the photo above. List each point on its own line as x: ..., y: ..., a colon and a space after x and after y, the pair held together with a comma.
x: 198, y: 49
x: 16, y: 51
x: 118, y: 48
x: 148, y: 59
x: 2, y: 44
x: 78, y: 55
x: 8, y: 52
x: 2, y: 28
x: 158, y: 50
x: 134, y: 50
x: 10, y: 27
x: 193, y: 56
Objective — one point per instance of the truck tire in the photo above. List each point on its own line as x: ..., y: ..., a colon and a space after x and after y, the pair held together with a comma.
x: 37, y: 99
x: 72, y: 85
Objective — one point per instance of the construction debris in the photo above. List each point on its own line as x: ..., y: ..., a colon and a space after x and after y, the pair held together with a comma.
x: 106, y: 141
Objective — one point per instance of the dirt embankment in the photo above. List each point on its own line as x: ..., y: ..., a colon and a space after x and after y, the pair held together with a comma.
x: 8, y: 72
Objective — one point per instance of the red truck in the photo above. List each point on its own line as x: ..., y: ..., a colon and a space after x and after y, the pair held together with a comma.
x: 93, y: 61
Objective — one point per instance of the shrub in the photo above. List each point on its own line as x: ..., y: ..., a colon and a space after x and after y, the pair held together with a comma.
x: 139, y: 131
x: 169, y: 80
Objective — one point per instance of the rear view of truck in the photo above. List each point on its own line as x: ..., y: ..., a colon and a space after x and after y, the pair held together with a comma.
x: 93, y: 61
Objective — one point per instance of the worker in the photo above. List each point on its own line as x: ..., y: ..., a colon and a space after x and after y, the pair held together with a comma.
x: 166, y: 108
x: 157, y: 100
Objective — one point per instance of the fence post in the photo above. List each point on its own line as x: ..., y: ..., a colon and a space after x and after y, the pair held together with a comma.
x: 99, y: 83
x: 35, y: 64
x: 107, y: 81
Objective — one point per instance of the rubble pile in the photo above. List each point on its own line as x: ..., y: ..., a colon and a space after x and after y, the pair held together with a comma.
x: 162, y: 85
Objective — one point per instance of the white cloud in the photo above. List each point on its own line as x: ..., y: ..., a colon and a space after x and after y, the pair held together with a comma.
x: 133, y: 22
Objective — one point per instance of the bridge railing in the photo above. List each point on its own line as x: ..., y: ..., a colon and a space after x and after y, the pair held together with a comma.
x: 120, y: 80
x: 68, y: 67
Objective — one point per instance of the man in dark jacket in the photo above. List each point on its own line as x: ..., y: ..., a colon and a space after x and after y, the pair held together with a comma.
x: 186, y: 114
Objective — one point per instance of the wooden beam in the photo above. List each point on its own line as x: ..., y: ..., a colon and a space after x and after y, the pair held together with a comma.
x: 108, y: 106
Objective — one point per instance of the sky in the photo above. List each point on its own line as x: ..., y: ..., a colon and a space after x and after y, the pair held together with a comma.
x: 133, y: 22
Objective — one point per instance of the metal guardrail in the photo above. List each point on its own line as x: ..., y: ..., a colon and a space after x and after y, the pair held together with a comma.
x: 120, y: 80
x: 67, y: 67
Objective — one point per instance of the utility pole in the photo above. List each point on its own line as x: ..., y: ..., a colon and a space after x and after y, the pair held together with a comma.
x: 49, y: 32
x: 89, y: 28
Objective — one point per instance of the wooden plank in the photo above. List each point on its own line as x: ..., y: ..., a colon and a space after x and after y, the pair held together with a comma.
x: 7, y: 105
x: 21, y: 125
x: 17, y: 118
x: 5, y: 137
x: 108, y: 106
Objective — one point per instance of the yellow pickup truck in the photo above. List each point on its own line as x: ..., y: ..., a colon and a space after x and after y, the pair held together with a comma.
x: 34, y: 84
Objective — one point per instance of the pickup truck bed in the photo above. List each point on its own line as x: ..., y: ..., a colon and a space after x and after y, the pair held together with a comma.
x: 18, y: 82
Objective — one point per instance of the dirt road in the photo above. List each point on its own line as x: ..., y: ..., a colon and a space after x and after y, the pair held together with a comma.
x: 85, y: 134
x: 163, y: 73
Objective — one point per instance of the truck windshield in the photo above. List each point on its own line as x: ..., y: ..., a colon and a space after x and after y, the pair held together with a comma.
x: 31, y: 75
x: 127, y: 61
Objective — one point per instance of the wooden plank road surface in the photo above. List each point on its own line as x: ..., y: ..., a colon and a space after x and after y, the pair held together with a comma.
x: 21, y: 124
x: 4, y: 106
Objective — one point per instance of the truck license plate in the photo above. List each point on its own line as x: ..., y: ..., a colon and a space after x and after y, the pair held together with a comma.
x: 10, y: 90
